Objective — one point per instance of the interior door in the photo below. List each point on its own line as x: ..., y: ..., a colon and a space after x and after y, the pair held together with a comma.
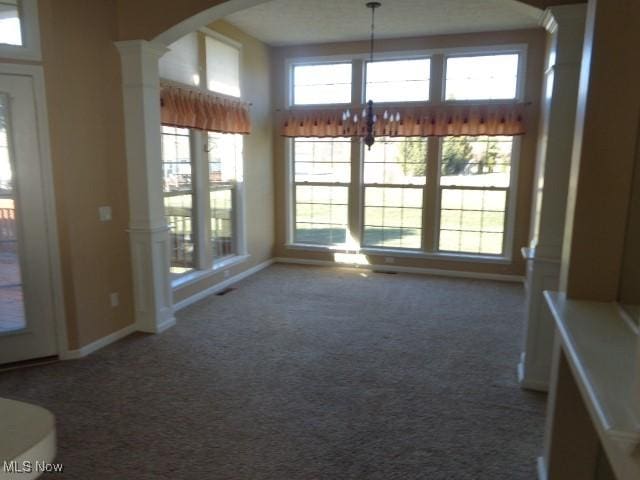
x: 27, y: 328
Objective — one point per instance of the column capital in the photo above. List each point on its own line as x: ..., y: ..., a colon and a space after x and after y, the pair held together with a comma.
x: 562, y: 15
x: 141, y: 47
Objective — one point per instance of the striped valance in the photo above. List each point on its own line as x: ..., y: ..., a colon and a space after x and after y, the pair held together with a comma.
x: 188, y: 108
x: 424, y: 121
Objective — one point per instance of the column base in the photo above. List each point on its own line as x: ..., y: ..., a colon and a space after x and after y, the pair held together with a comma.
x: 152, y: 284
x: 529, y: 379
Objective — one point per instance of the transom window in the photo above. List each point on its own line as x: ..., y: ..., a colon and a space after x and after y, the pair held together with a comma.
x: 10, y: 23
x: 398, y: 80
x: 482, y: 77
x: 322, y: 84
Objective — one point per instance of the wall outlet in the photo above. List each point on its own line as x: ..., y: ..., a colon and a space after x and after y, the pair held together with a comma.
x: 114, y: 299
x: 389, y: 260
x: 104, y: 213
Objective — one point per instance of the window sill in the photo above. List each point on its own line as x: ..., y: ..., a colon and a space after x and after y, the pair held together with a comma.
x: 198, y: 275
x: 389, y: 252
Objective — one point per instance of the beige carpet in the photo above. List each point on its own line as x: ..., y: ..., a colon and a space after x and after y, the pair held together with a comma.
x: 305, y: 373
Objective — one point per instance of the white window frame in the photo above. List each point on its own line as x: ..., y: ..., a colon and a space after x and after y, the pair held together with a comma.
x: 289, y: 84
x: 194, y: 205
x: 510, y: 204
x: 30, y: 28
x: 358, y: 94
x: 292, y: 196
x: 519, y: 49
x: 362, y: 187
x: 390, y: 57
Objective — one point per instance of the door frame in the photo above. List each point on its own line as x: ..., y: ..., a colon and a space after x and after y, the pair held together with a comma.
x: 36, y: 72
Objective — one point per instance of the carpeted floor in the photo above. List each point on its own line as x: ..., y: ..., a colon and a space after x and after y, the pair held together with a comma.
x: 305, y: 373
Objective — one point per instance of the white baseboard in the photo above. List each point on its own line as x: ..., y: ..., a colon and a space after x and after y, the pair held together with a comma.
x: 400, y: 269
x: 98, y: 344
x: 542, y: 469
x: 167, y: 324
x: 221, y: 286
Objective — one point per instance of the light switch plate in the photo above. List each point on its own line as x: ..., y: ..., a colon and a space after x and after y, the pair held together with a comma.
x: 104, y: 213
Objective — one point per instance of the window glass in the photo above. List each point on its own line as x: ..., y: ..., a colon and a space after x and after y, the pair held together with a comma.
x: 178, y: 197
x: 393, y: 213
x: 322, y: 175
x: 476, y: 161
x: 182, y: 63
x: 10, y: 25
x: 322, y: 84
x: 398, y: 80
x: 322, y: 160
x: 223, y: 67
x: 225, y: 171
x: 474, y: 183
x: 393, y: 217
x: 396, y: 161
x: 482, y: 77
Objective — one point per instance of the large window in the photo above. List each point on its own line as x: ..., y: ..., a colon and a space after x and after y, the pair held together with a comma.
x: 202, y: 171
x: 482, y: 77
x: 475, y: 176
x: 321, y: 178
x: 321, y: 84
x: 438, y: 195
x: 394, y: 179
x: 225, y: 173
x: 178, y: 196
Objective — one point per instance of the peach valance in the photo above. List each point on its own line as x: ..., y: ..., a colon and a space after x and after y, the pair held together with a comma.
x: 424, y: 121
x: 187, y: 108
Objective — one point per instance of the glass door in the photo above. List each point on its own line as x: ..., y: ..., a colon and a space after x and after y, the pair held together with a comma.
x: 27, y: 329
x: 12, y: 314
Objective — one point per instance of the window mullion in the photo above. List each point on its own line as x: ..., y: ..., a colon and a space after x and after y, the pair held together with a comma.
x: 356, y: 192
x: 430, y: 196
x: 200, y: 183
x: 430, y: 217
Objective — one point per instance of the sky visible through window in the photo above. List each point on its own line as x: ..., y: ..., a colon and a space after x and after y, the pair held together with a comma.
x: 10, y: 29
x: 477, y: 77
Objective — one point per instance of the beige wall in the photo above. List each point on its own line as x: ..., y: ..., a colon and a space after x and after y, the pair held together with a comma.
x: 535, y: 41
x: 258, y: 158
x: 82, y: 76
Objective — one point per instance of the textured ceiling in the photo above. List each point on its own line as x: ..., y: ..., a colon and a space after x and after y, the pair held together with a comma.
x: 297, y: 22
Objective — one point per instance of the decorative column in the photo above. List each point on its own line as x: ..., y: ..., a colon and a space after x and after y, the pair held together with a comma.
x: 565, y: 25
x: 148, y: 230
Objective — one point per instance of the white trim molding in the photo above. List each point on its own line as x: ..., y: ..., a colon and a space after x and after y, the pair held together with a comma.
x: 98, y: 344
x: 222, y: 285
x: 400, y: 269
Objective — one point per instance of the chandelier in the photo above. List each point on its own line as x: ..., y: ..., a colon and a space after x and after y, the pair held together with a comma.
x: 369, y: 117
